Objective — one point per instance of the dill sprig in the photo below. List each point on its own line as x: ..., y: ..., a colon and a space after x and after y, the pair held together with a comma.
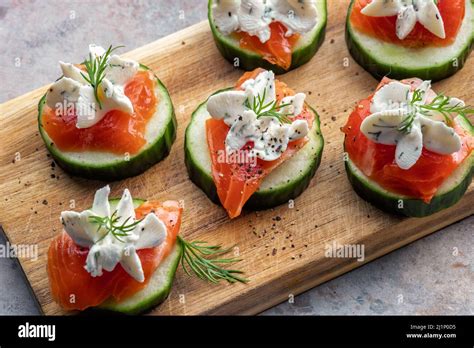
x: 269, y: 109
x: 111, y: 225
x: 95, y: 68
x: 203, y: 261
x: 439, y: 104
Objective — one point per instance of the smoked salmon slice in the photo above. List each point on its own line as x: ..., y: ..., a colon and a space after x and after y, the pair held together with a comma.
x: 118, y: 132
x: 277, y: 50
x: 384, y: 28
x: 236, y: 182
x: 75, y: 289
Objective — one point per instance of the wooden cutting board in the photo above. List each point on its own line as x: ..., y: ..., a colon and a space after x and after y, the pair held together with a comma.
x: 281, y: 257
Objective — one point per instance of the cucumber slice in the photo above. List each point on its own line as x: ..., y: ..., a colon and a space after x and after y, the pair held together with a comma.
x: 305, y: 48
x: 160, y: 134
x: 286, y: 182
x: 449, y: 193
x: 398, y: 62
x: 159, y: 286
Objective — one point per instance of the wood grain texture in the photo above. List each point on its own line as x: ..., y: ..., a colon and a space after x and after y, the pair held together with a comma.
x: 281, y: 258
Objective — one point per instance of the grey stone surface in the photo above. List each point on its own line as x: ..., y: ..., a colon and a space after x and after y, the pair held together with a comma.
x: 34, y: 35
x: 432, y: 276
x: 16, y: 297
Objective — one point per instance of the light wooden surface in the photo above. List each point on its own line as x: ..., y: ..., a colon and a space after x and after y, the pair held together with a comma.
x: 281, y: 258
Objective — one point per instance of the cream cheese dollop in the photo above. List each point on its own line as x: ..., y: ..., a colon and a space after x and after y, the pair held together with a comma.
x: 255, y: 16
x: 390, y: 107
x: 269, y: 135
x: 106, y: 249
x: 408, y: 13
x: 72, y: 88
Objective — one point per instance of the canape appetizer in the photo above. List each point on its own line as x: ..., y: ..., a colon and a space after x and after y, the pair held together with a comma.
x: 122, y: 255
x: 278, y: 35
x: 257, y: 144
x: 107, y: 118
x: 409, y: 150
x: 429, y: 39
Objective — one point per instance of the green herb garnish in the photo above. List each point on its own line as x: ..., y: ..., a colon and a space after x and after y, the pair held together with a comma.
x: 201, y: 259
x: 95, y: 68
x: 111, y: 225
x: 269, y: 109
x: 439, y: 104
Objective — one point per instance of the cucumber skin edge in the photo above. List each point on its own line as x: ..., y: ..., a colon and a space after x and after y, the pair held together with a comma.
x: 123, y: 169
x: 270, y: 199
x: 378, y: 69
x: 258, y: 201
x: 411, y: 207
x: 157, y: 299
x: 250, y: 61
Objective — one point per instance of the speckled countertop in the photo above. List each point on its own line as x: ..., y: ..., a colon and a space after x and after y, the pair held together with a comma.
x: 434, y: 275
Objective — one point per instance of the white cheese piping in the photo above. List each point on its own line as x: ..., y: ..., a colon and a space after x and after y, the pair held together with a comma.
x: 73, y: 88
x: 390, y: 106
x: 270, y: 136
x: 408, y: 13
x: 255, y: 16
x: 105, y: 250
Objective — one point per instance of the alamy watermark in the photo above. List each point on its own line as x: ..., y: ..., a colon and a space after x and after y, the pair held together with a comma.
x: 70, y: 109
x: 237, y: 157
x: 345, y: 251
x: 28, y: 330
x: 20, y: 251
